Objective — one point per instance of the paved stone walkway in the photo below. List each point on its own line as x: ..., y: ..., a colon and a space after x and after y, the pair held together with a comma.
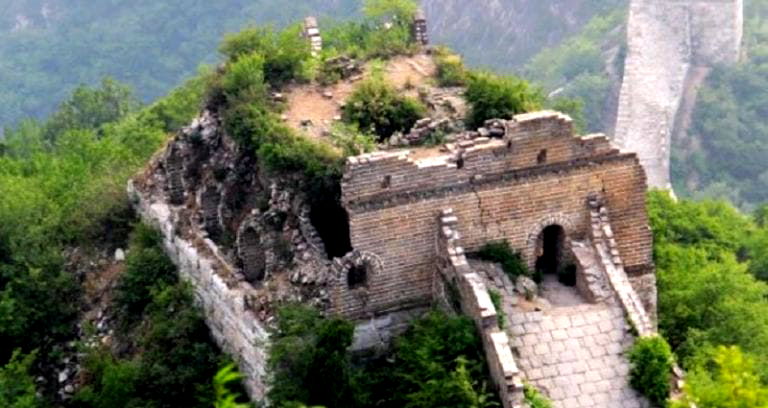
x: 572, y: 351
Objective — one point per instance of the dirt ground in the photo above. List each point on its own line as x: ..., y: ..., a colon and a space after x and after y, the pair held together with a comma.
x: 321, y: 105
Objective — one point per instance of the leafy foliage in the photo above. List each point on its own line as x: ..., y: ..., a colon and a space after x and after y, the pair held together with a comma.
x: 17, y: 387
x: 377, y: 106
x: 534, y: 398
x: 308, y: 360
x: 496, y: 299
x: 651, y: 361
x: 436, y: 363
x: 225, y: 397
x: 401, y: 10
x: 502, y: 253
x: 177, y: 357
x: 496, y: 97
x: 726, y: 379
x: 450, y: 68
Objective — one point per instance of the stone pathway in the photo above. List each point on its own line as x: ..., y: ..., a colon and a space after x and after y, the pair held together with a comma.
x: 570, y: 350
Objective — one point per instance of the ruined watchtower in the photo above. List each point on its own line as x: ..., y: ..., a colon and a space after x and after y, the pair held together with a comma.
x: 312, y: 32
x: 420, y: 34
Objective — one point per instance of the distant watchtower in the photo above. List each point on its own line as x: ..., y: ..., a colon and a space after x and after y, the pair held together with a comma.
x: 312, y: 32
x: 420, y: 28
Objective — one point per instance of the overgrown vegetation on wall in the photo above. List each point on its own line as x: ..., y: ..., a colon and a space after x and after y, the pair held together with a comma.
x: 169, y: 357
x: 438, y: 363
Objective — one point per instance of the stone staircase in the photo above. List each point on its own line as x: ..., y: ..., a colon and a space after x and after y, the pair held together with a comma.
x: 569, y: 349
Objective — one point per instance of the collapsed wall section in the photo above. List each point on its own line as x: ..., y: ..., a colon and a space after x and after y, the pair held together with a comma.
x: 508, y: 189
x: 665, y: 39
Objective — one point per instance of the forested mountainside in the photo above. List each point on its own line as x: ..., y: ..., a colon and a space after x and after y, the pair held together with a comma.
x: 48, y: 47
x: 504, y: 34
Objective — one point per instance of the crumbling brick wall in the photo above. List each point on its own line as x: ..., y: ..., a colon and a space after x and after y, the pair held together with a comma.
x: 539, y: 174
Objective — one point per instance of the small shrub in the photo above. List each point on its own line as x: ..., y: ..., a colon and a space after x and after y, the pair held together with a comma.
x: 243, y: 80
x: 534, y: 399
x: 651, y: 361
x: 377, y: 106
x: 352, y: 141
x: 450, y: 69
x: 501, y: 316
x: 491, y: 96
x: 502, y: 253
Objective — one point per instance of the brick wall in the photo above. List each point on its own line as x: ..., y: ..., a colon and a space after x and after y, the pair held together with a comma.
x: 499, y: 189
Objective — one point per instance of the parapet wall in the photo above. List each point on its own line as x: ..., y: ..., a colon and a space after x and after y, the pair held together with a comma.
x: 665, y: 39
x: 476, y: 303
x: 538, y: 175
x: 232, y: 323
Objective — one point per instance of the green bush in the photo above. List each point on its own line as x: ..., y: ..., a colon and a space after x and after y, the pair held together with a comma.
x: 651, y: 368
x: 450, y: 69
x: 534, y: 399
x: 284, y: 53
x: 308, y: 360
x: 243, y: 80
x: 146, y: 267
x: 352, y: 141
x: 501, y: 316
x: 502, y: 253
x: 17, y: 386
x: 377, y: 106
x: 495, y: 97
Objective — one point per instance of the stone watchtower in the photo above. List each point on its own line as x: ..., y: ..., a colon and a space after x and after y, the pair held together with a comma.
x: 671, y: 46
x: 312, y: 32
x: 420, y: 28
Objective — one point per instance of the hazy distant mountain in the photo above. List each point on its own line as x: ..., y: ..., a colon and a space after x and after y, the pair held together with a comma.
x: 47, y: 47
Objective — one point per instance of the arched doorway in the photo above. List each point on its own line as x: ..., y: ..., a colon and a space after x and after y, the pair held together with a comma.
x: 551, y: 244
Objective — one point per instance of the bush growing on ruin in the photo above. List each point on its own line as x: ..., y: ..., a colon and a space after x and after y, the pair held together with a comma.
x: 534, y: 399
x: 377, y: 106
x: 496, y: 97
x: 651, y: 368
x: 308, y: 360
x: 496, y: 299
x: 450, y: 68
x: 146, y: 267
x: 284, y: 53
x: 501, y: 252
x: 351, y: 140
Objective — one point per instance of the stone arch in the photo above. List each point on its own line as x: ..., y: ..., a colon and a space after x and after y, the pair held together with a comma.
x: 209, y: 199
x: 251, y: 255
x: 534, y: 243
x: 357, y: 269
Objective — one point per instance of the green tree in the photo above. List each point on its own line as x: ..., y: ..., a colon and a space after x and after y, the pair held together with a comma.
x: 90, y: 108
x: 727, y: 379
x: 17, y: 387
